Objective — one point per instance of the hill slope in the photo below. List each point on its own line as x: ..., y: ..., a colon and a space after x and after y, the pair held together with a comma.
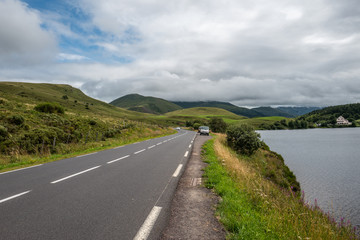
x: 136, y: 102
x: 37, y: 120
x: 328, y: 115
x: 270, y: 112
x: 298, y: 111
x: 224, y: 105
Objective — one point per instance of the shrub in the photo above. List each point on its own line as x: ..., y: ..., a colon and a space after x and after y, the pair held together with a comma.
x: 49, y: 108
x: 16, y: 119
x: 243, y: 139
x: 196, y: 126
x: 3, y: 133
x: 218, y: 125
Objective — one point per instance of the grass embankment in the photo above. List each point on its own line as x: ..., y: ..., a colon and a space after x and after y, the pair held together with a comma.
x: 47, y: 122
x: 135, y: 134
x: 254, y: 206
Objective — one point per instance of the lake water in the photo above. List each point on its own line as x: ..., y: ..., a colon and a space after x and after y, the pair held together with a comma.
x: 326, y: 162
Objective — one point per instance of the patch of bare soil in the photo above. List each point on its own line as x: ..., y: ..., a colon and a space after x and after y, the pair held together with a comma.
x: 193, y: 206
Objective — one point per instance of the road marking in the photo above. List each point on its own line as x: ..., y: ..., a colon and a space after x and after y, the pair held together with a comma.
x: 159, y: 143
x: 20, y: 169
x: 147, y: 226
x: 186, y: 154
x: 86, y: 155
x: 73, y: 175
x: 140, y: 151
x: 15, y: 196
x: 151, y: 146
x: 118, y: 159
x: 177, y: 171
x: 190, y: 146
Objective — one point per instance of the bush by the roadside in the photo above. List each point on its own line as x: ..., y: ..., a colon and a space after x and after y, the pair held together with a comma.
x: 218, y: 125
x: 243, y: 139
x: 49, y: 108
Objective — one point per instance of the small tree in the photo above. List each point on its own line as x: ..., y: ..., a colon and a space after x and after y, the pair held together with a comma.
x: 243, y: 139
x: 218, y: 125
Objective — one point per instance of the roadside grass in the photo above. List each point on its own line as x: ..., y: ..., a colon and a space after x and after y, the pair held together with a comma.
x: 253, y: 207
x: 16, y: 161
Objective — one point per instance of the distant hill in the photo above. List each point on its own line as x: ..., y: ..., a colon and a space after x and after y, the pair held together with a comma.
x: 139, y: 103
x: 204, y: 111
x: 269, y: 112
x: 328, y: 115
x: 251, y: 113
x: 297, y: 111
x: 224, y: 105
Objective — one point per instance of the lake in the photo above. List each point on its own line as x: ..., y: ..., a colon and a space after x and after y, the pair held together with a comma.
x: 326, y: 162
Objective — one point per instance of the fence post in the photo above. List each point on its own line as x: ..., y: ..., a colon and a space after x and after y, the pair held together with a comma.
x: 42, y: 147
x: 54, y: 142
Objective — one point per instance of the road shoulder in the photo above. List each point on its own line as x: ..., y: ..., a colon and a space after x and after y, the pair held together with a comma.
x: 193, y: 206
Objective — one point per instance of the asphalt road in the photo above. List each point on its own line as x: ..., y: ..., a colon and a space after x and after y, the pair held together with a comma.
x: 121, y: 193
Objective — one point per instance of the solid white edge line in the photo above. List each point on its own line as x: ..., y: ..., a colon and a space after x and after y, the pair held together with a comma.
x: 177, y: 171
x: 118, y: 159
x: 14, y: 196
x: 86, y: 155
x: 140, y: 151
x: 151, y: 146
x: 73, y: 175
x: 148, y: 225
x: 186, y: 154
x: 20, y: 169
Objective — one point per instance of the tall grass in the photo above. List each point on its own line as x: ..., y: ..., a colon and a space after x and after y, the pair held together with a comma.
x: 254, y: 207
x: 139, y: 133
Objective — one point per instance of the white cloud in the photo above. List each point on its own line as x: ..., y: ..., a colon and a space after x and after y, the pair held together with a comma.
x: 22, y: 40
x: 248, y: 52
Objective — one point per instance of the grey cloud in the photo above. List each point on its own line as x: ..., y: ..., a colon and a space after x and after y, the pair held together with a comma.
x: 22, y: 40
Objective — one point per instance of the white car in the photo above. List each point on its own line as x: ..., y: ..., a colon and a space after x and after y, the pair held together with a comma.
x: 204, y: 130
x: 178, y: 128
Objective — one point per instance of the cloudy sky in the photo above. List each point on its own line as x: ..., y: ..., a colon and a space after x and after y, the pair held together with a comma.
x: 248, y: 52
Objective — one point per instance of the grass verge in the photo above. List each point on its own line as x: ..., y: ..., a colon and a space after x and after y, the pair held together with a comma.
x: 8, y: 163
x: 254, y: 207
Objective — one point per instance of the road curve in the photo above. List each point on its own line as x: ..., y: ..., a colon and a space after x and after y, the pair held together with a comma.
x: 121, y: 193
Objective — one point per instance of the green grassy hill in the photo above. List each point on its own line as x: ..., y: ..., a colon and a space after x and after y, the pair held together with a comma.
x: 327, y: 116
x: 136, y: 102
x: 224, y: 105
x: 38, y: 121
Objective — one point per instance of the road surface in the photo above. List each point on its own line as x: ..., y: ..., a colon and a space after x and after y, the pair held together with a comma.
x: 121, y: 193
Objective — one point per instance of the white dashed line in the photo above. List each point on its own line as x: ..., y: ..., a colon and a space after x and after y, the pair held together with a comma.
x: 190, y: 146
x: 140, y: 151
x: 15, y: 196
x: 151, y: 146
x: 73, y: 175
x: 20, y: 169
x: 147, y: 226
x: 86, y: 155
x: 159, y: 143
x: 118, y: 159
x: 186, y: 154
x: 177, y: 171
